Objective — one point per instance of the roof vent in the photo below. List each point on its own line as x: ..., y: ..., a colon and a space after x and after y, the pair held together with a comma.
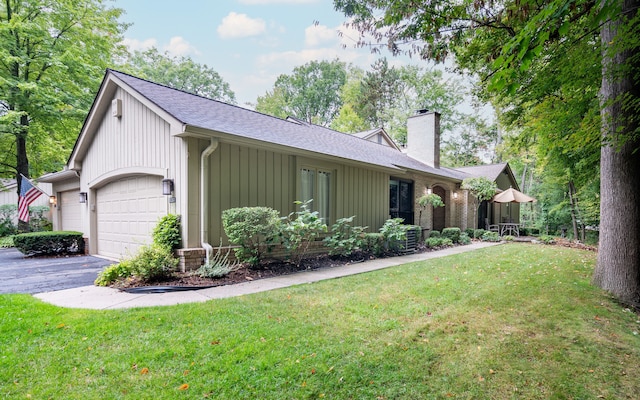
x: 116, y: 108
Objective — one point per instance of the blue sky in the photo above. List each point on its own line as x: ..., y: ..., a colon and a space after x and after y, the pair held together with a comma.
x: 248, y: 42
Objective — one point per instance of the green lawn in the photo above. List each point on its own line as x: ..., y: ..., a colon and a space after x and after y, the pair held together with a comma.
x: 515, y: 321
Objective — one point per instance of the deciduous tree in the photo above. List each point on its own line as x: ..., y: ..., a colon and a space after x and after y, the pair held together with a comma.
x: 309, y: 93
x: 52, y: 57
x: 519, y: 45
x: 180, y: 73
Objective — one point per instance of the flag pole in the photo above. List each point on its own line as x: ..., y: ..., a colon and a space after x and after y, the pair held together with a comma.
x: 35, y: 186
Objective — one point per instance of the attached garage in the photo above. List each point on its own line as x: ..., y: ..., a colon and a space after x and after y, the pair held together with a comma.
x: 126, y: 212
x: 69, y: 206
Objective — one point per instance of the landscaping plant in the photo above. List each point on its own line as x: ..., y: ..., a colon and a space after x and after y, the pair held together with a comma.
x: 114, y: 273
x: 394, y: 233
x: 299, y: 230
x: 451, y: 233
x: 166, y: 233
x: 438, y: 242
x: 219, y: 265
x: 345, y: 239
x: 254, y: 229
x: 489, y: 236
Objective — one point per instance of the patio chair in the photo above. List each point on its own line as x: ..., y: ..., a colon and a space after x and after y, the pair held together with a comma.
x: 491, y: 227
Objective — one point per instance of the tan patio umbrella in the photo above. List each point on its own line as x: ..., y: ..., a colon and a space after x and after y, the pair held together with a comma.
x: 512, y: 195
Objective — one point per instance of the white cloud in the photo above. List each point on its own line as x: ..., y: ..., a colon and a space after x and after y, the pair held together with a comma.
x: 237, y: 25
x: 178, y: 46
x: 288, y: 60
x: 315, y: 35
x: 268, y: 2
x: 135, y: 44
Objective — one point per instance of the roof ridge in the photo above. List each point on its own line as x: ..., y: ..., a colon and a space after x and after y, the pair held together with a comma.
x: 193, y: 94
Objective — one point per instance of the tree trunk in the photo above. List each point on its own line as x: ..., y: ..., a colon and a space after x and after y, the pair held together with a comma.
x: 574, y: 210
x: 22, y: 161
x: 618, y: 268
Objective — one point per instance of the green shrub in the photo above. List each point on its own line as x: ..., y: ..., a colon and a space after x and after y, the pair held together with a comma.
x: 464, y: 239
x: 166, y: 233
x: 299, y: 229
x: 477, y: 233
x: 153, y: 263
x: 7, y: 213
x: 530, y: 231
x: 218, y: 266
x: 6, y: 242
x: 546, y: 239
x: 489, y: 236
x: 437, y: 242
x: 374, y: 243
x: 38, y: 222
x: 48, y: 243
x: 451, y: 233
x: 469, y: 232
x: 394, y: 233
x: 345, y: 239
x: 113, y: 273
x: 508, y: 238
x: 434, y: 234
x: 254, y: 229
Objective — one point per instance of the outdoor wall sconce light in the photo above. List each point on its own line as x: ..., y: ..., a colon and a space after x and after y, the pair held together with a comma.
x: 429, y: 191
x: 455, y: 195
x: 167, y: 187
x: 83, y: 197
x: 53, y: 201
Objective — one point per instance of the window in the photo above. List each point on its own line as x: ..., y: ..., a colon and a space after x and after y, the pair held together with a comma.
x: 316, y: 185
x: 401, y: 200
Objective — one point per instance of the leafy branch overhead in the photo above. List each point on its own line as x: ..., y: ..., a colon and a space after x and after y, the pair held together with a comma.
x: 480, y: 187
x: 430, y: 199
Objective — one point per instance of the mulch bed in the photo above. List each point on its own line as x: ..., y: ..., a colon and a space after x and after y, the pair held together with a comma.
x: 277, y: 268
x: 574, y: 245
x: 246, y: 274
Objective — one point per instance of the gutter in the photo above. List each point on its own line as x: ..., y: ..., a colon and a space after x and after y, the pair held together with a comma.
x: 204, y: 197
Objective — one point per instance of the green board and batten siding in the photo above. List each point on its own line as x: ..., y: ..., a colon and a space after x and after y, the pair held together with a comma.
x: 242, y: 176
x: 246, y: 177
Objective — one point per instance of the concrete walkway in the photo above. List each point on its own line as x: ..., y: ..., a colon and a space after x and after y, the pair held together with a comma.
x: 103, y: 298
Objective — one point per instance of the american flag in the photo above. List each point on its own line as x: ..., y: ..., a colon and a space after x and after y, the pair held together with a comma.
x: 28, y: 194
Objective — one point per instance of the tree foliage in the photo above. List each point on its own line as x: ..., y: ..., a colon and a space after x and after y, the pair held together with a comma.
x: 180, y: 73
x: 52, y: 57
x: 544, y: 65
x: 309, y: 93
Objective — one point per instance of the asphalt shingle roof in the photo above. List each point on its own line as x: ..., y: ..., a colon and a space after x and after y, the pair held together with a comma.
x: 217, y: 116
x: 490, y: 171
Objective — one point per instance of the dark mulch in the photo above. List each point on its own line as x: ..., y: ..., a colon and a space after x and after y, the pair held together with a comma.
x: 246, y: 274
x: 276, y: 268
x: 574, y: 245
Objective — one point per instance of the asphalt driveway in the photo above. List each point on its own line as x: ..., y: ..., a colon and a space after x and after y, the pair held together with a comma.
x: 20, y: 274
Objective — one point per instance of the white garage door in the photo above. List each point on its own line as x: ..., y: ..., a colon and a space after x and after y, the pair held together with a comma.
x: 69, y: 206
x: 126, y: 211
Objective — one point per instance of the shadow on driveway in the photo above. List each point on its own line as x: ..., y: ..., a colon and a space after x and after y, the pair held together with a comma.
x: 20, y: 274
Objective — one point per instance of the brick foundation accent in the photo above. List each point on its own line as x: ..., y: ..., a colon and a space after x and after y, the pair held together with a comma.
x: 192, y: 259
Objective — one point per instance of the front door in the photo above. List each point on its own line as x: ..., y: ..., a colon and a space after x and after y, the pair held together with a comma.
x: 401, y: 200
x: 439, y: 213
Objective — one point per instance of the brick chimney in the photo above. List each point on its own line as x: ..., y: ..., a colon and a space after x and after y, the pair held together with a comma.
x: 423, y: 137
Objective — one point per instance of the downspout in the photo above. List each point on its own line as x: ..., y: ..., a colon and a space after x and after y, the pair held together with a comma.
x: 204, y: 197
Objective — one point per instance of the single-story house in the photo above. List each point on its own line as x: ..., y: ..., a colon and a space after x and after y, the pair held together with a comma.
x: 146, y: 150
